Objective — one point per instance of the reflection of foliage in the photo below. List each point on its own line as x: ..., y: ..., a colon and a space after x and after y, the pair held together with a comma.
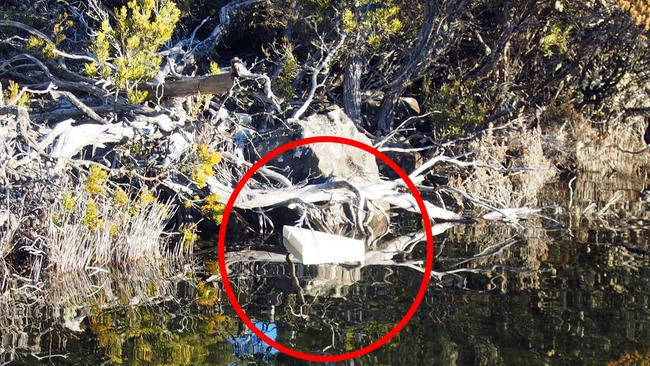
x: 639, y: 10
x: 359, y: 335
x: 146, y: 336
x: 206, y: 295
x: 556, y: 41
x: 632, y: 359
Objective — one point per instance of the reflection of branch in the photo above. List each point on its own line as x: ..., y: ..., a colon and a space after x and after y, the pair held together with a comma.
x: 483, y: 204
x: 387, y: 252
x: 294, y: 278
x: 490, y: 251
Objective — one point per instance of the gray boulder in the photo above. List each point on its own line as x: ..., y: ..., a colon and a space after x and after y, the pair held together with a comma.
x: 318, y: 162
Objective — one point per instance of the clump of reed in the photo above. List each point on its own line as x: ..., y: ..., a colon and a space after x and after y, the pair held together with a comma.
x: 97, y: 226
x: 511, y: 170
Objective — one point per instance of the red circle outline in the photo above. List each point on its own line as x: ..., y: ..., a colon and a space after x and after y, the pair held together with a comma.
x: 427, y: 268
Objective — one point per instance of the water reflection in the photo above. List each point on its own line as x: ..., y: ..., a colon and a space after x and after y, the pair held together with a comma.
x: 248, y: 345
x: 571, y: 286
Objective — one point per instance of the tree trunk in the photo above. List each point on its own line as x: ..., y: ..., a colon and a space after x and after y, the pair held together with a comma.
x: 352, y: 87
x: 433, y: 39
x: 211, y: 84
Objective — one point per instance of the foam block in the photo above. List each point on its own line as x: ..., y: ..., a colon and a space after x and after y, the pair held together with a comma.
x: 316, y: 247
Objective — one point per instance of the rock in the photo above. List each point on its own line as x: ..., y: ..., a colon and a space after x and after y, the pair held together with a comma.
x: 318, y: 162
x: 411, y: 103
x: 332, y: 280
x: 408, y: 161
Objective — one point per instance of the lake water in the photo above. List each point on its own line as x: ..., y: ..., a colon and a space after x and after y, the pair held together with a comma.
x: 569, y: 288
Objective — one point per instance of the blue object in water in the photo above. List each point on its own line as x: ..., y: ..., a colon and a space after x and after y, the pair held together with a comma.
x: 249, y: 345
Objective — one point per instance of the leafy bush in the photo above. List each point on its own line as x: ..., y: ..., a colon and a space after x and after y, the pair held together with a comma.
x: 454, y: 107
x: 126, y: 50
x: 12, y: 95
x: 283, y: 84
x: 372, y: 20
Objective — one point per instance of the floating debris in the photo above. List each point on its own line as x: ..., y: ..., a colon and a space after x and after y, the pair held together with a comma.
x: 316, y: 247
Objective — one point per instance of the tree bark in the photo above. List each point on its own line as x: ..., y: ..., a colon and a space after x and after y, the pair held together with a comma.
x: 213, y: 84
x: 352, y: 88
x: 432, y: 41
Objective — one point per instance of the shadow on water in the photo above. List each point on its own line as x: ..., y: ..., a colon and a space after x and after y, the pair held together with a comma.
x: 570, y: 288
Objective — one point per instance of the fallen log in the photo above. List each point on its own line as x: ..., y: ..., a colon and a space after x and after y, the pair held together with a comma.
x: 331, y: 192
x: 211, y: 84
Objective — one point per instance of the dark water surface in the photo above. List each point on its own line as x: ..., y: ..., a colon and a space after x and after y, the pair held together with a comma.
x: 540, y: 294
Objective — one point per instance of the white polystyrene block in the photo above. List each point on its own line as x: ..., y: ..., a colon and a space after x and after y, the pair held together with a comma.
x: 315, y: 247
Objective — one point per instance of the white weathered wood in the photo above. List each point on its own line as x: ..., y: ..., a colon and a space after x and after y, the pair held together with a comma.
x: 331, y: 192
x: 70, y: 140
x: 315, y: 247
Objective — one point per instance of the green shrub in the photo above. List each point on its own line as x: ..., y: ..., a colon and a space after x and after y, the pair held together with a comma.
x: 454, y: 106
x: 126, y: 49
x: 283, y: 84
x: 373, y: 20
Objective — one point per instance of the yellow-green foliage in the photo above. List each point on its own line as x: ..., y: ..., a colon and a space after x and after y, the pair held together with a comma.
x: 96, y: 180
x: 120, y: 199
x: 91, y: 217
x: 139, y: 30
x: 101, y: 47
x: 556, y: 39
x: 206, y: 160
x: 135, y: 96
x: 12, y: 93
x: 374, y: 25
x: 146, y: 197
x: 145, y: 336
x: 199, y: 104
x: 68, y: 202
x: 454, y: 107
x: 290, y: 68
x: 190, y: 235
x: 214, y: 68
x: 57, y: 36
x: 212, y: 208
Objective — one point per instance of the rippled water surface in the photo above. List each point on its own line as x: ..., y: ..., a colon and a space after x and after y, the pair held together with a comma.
x: 553, y: 291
